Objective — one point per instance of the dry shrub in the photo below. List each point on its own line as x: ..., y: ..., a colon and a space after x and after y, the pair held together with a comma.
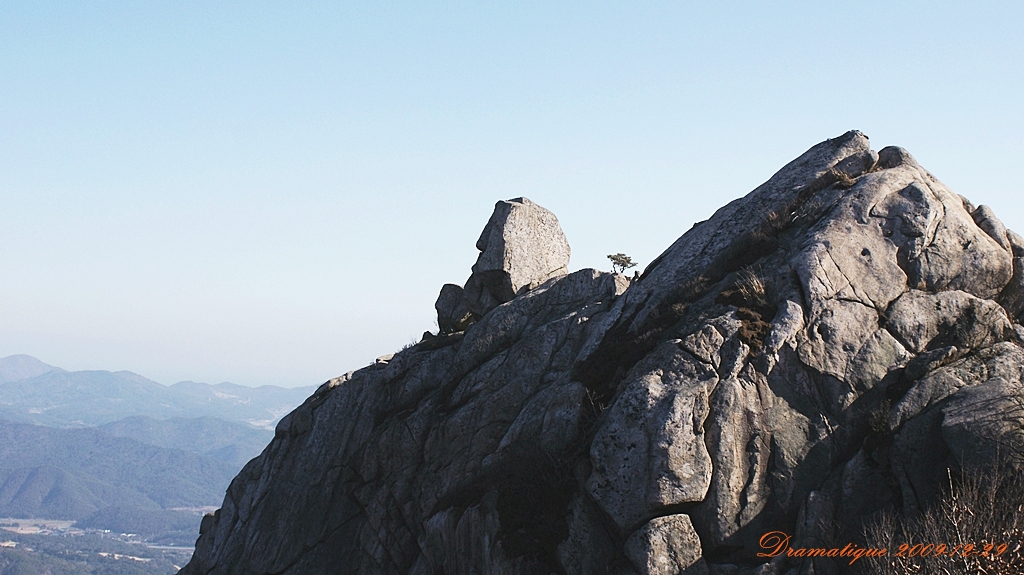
x: 978, y: 507
x: 755, y: 308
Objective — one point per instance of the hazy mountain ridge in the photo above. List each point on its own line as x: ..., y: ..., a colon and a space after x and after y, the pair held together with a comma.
x: 118, y: 451
x: 48, y: 491
x: 158, y: 477
x: 229, y: 442
x: 19, y: 367
x: 106, y: 482
x: 61, y: 398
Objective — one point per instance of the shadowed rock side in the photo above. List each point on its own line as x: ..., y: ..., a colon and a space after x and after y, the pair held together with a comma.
x: 816, y: 351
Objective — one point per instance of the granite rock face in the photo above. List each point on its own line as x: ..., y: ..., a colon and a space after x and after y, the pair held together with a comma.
x: 818, y: 350
x: 453, y: 313
x: 521, y: 247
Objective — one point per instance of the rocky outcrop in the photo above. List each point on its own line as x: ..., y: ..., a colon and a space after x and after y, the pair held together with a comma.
x: 815, y: 352
x: 521, y: 247
x: 453, y: 313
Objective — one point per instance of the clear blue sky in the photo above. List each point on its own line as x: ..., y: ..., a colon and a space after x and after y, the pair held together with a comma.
x: 275, y: 192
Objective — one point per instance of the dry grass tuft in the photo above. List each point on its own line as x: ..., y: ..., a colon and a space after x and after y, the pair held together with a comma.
x: 983, y: 507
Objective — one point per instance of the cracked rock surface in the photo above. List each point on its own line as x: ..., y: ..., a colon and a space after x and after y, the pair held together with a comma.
x: 815, y: 352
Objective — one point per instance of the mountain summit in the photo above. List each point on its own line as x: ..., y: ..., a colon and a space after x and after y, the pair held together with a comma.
x: 19, y: 367
x: 817, y: 351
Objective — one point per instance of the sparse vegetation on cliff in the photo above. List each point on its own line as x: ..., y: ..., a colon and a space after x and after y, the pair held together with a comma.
x: 983, y: 509
x: 621, y: 262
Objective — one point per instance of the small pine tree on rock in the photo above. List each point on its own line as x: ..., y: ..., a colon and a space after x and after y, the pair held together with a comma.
x: 621, y: 262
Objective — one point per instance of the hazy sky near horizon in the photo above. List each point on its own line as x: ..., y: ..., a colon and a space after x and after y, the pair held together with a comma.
x: 275, y: 192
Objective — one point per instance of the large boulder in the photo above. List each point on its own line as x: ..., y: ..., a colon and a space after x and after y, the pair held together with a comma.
x: 521, y: 247
x: 666, y: 546
x: 818, y: 351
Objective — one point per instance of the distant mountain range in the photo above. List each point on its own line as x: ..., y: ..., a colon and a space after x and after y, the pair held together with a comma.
x: 48, y: 395
x: 79, y: 471
x: 107, y: 482
x: 19, y: 367
x: 114, y: 450
x: 225, y: 441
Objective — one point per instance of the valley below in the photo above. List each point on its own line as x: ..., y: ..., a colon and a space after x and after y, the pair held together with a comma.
x: 58, y: 547
x: 110, y: 473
